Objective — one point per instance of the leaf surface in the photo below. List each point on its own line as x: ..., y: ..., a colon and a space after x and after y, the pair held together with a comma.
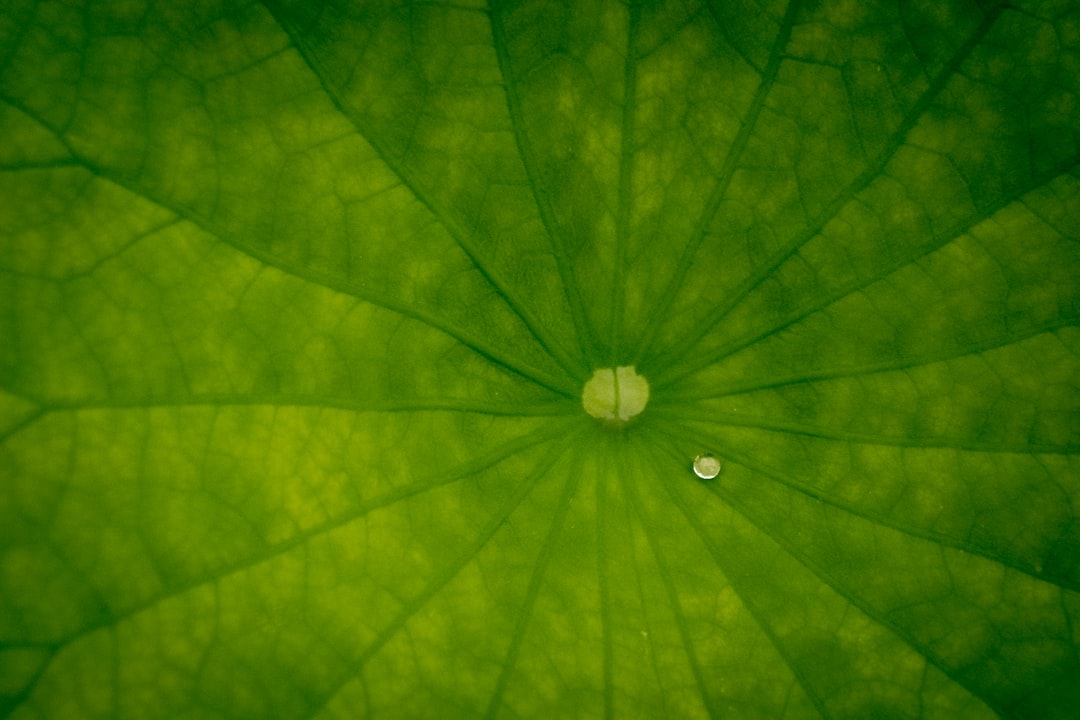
x: 298, y: 300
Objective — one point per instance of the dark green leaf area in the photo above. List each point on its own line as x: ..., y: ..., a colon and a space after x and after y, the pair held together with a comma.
x: 298, y: 302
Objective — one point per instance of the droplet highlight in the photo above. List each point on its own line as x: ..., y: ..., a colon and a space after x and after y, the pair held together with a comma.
x: 706, y: 466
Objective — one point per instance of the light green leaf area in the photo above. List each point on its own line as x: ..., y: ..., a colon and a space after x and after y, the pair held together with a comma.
x: 298, y: 301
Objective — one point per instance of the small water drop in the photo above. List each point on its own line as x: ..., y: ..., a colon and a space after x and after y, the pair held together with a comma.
x: 706, y: 466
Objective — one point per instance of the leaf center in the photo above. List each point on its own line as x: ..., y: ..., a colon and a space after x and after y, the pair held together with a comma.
x: 615, y: 395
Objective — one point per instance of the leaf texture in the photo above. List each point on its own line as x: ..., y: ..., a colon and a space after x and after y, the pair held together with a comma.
x: 298, y: 299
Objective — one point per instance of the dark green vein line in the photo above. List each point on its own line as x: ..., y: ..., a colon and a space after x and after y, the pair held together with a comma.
x: 445, y: 576
x: 821, y: 433
x: 533, y: 591
x: 159, y: 561
x: 634, y: 564
x: 626, y: 178
x: 849, y: 595
x: 548, y: 216
x: 93, y: 350
x: 18, y: 24
x: 459, y: 405
x: 83, y: 575
x: 604, y: 590
x: 669, y: 586
x: 565, y: 386
x: 482, y: 347
x: 439, y: 479
x: 776, y: 476
x: 12, y: 702
x: 798, y: 314
x: 58, y: 164
x: 861, y: 182
x: 710, y: 7
x: 27, y: 645
x: 717, y: 490
x: 1066, y: 615
x: 23, y: 423
x: 894, y: 365
x: 740, y: 592
x: 716, y: 196
x: 447, y: 6
x: 423, y: 195
x: 108, y: 257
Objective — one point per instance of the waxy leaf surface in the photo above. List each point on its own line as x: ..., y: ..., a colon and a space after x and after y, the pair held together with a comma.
x: 298, y: 300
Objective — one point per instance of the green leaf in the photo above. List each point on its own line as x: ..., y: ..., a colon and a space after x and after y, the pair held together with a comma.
x: 298, y: 301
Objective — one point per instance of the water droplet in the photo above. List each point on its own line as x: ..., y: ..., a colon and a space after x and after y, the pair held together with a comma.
x: 706, y: 466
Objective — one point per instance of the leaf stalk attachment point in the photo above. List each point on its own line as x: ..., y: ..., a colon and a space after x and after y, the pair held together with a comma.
x: 615, y: 396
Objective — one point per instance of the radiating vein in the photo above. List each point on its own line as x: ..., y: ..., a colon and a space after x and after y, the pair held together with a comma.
x: 58, y: 164
x: 716, y: 196
x: 625, y: 190
x: 450, y: 405
x: 895, y: 364
x: 662, y: 470
x: 731, y: 419
x: 851, y: 597
x: 862, y: 181
x: 533, y: 591
x: 710, y: 6
x: 438, y: 479
x: 11, y: 703
x: 688, y: 369
x: 635, y: 566
x: 504, y: 290
x: 25, y: 422
x: 817, y: 495
x: 563, y: 385
x: 443, y: 578
x: 548, y: 216
x: 821, y: 574
x: 603, y: 552
x: 669, y: 585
